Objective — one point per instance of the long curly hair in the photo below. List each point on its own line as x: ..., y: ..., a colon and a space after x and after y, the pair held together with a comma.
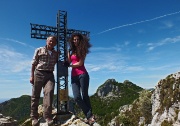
x: 82, y: 49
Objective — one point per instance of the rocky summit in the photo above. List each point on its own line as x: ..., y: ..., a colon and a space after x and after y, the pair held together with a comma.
x: 7, y: 121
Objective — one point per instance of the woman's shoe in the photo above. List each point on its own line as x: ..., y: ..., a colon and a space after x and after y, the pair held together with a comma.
x: 84, y: 120
x: 91, y: 120
x: 49, y: 122
x: 35, y: 122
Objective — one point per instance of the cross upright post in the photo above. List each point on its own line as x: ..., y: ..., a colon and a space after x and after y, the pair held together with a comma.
x: 62, y: 33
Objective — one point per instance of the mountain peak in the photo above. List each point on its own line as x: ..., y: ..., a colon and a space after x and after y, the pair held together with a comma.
x: 111, y: 88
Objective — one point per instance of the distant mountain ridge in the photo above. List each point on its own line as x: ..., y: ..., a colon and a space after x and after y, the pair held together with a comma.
x: 3, y: 100
x: 18, y: 108
x: 107, y: 99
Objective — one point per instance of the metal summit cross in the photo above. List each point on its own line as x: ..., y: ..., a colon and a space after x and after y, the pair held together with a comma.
x: 62, y: 33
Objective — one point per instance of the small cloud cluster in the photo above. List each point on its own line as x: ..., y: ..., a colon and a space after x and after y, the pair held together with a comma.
x: 163, y: 42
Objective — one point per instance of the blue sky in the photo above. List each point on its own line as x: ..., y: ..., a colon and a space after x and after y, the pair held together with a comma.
x: 132, y: 40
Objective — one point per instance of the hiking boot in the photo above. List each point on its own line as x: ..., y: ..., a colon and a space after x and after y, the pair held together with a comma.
x: 49, y: 122
x: 91, y: 120
x: 35, y: 122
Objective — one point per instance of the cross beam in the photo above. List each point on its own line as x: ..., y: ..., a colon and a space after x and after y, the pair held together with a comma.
x: 43, y: 31
x: 62, y: 33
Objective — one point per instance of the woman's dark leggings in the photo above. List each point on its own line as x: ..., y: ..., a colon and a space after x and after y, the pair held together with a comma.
x: 80, y: 86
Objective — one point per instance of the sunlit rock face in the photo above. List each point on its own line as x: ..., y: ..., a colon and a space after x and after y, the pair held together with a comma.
x: 107, y: 89
x: 7, y: 121
x: 166, y: 101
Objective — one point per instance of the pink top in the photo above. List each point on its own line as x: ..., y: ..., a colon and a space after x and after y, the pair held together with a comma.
x: 78, y: 70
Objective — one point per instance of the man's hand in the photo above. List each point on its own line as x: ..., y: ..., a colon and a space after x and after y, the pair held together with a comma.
x: 66, y: 64
x: 32, y: 80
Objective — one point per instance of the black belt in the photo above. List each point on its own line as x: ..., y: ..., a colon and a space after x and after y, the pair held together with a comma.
x: 47, y: 71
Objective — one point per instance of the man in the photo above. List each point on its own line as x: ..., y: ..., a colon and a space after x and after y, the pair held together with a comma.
x: 42, y: 76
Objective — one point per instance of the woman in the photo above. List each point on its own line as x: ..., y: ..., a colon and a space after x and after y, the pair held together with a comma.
x: 79, y: 48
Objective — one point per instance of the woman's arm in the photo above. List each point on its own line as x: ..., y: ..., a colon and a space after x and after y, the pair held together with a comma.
x: 78, y: 64
x: 68, y: 56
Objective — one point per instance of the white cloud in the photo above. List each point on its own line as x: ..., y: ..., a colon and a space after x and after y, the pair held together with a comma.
x: 139, y: 45
x: 163, y: 67
x: 163, y: 42
x: 167, y: 24
x: 12, y: 61
x: 141, y: 31
x: 116, y: 48
x: 126, y: 43
x: 133, y: 68
x: 16, y: 41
